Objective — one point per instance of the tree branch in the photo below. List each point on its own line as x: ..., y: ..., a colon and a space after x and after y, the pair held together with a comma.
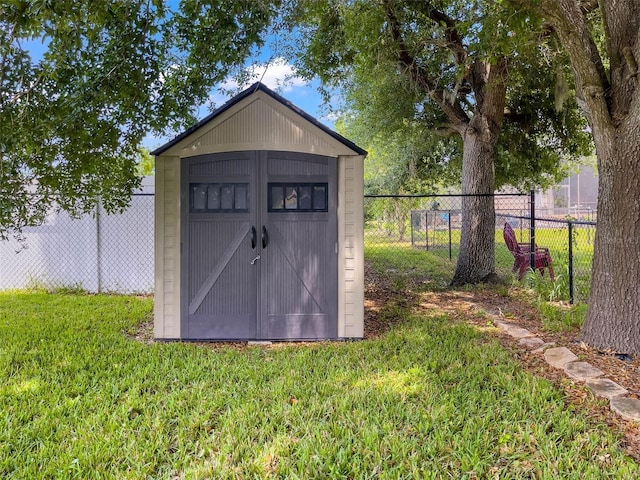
x: 592, y: 84
x: 420, y: 77
x: 451, y: 35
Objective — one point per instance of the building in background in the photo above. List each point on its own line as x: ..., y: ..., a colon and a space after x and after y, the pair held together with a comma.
x: 576, y: 196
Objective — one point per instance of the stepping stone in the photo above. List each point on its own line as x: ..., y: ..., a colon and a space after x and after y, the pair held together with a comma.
x: 502, y: 325
x: 627, y: 408
x: 559, y: 357
x: 518, y: 332
x: 531, y: 342
x: 544, y: 347
x: 582, y: 371
x: 603, y: 387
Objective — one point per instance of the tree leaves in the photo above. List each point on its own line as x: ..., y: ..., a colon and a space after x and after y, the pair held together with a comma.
x: 72, y: 118
x: 352, y: 45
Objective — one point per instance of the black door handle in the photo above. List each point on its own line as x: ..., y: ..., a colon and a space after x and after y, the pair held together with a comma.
x: 265, y: 237
x: 254, y: 235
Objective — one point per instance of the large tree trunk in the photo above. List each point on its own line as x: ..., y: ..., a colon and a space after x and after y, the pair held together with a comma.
x: 613, y: 107
x: 476, y: 260
x: 613, y: 316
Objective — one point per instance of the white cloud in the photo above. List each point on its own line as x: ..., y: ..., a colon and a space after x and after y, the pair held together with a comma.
x: 333, y: 116
x: 277, y: 74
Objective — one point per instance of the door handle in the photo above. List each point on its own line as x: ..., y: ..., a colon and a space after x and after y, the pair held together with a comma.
x: 265, y: 237
x: 253, y: 262
x: 254, y: 234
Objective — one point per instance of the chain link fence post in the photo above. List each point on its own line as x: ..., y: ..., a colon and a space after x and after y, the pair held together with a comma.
x: 532, y: 228
x: 98, y: 250
x: 570, y: 267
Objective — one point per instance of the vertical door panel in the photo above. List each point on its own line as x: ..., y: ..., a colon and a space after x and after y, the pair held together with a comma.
x: 222, y: 293
x: 219, y: 282
x: 299, y: 270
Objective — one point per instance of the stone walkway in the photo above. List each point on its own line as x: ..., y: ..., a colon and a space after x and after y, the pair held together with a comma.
x: 564, y: 359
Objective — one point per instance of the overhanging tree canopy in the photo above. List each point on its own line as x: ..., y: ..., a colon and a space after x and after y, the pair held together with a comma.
x: 480, y: 71
x: 72, y: 119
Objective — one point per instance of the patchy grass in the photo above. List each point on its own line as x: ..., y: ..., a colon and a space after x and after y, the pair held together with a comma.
x: 430, y: 399
x: 557, y: 317
x: 406, y: 265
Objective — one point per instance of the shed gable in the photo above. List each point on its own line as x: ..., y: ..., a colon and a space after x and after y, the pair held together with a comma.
x: 260, y: 123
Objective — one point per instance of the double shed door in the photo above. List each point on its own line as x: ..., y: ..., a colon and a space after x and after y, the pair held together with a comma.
x: 259, y: 246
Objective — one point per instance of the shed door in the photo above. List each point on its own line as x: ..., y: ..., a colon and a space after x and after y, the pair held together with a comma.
x: 299, y: 270
x: 219, y: 212
x: 280, y: 207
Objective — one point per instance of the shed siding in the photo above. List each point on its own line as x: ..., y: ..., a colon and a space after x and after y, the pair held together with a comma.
x: 351, y: 266
x: 167, y: 292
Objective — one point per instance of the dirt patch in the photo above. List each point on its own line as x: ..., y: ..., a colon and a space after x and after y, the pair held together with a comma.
x: 143, y: 332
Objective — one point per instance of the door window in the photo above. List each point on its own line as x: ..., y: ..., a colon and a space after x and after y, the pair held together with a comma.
x: 218, y: 197
x: 297, y: 197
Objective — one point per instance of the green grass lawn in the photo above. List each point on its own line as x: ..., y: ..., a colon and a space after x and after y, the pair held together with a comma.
x: 430, y: 399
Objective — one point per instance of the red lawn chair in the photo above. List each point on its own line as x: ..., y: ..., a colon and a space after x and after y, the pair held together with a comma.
x: 522, y: 255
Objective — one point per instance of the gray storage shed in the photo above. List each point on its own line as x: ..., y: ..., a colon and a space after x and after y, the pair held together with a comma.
x: 259, y: 227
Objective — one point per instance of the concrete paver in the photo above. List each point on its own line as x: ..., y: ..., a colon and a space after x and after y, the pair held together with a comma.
x: 518, y: 332
x: 531, y: 342
x: 606, y: 388
x: 544, y: 347
x: 582, y: 371
x: 501, y: 325
x: 559, y: 357
x: 628, y: 408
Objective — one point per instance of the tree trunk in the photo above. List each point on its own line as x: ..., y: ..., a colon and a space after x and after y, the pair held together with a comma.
x: 613, y: 316
x: 613, y: 107
x: 476, y: 260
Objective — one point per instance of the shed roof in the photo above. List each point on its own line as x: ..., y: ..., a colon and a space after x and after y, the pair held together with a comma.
x: 246, y: 93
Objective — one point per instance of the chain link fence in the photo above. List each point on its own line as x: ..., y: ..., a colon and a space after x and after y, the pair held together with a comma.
x: 95, y: 253
x: 416, y: 232
x: 570, y: 243
x: 419, y: 234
